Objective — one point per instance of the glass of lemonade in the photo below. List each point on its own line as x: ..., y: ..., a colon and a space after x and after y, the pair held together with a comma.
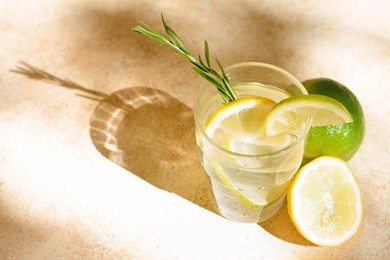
x: 249, y: 180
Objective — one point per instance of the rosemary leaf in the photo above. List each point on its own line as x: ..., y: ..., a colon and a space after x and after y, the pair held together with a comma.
x: 221, y: 81
x: 207, y: 53
x: 210, y: 79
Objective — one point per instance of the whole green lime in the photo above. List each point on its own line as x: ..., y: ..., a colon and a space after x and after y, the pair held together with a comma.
x: 342, y: 140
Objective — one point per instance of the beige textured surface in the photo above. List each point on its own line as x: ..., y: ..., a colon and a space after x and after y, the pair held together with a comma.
x: 92, y: 96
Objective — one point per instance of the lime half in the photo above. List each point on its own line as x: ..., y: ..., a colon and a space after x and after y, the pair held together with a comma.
x: 341, y: 141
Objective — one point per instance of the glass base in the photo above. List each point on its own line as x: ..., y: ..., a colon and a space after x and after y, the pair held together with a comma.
x: 242, y: 214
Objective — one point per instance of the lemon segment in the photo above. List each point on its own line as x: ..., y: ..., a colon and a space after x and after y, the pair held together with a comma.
x: 245, y: 199
x: 292, y: 114
x: 324, y: 202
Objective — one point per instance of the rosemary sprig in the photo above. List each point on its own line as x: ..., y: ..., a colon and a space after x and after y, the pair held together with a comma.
x: 220, y: 80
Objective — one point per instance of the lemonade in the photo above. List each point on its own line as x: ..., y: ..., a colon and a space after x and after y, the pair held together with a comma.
x: 250, y: 185
x: 249, y: 172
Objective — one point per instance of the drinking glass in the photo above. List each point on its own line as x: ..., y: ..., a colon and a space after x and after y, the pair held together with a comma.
x: 249, y: 187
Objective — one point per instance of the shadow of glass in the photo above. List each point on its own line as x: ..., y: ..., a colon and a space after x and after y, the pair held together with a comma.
x: 151, y: 134
x: 145, y: 131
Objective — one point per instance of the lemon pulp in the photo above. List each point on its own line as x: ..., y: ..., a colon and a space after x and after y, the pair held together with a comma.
x: 324, y: 201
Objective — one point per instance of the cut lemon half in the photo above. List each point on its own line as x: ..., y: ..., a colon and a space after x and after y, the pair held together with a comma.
x: 291, y: 115
x: 324, y: 202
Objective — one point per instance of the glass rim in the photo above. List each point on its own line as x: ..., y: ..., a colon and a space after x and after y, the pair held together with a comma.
x: 294, y: 80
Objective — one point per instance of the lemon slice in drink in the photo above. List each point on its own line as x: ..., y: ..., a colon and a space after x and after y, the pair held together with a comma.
x: 324, y: 202
x: 291, y: 115
x: 238, y: 127
x: 242, y: 117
